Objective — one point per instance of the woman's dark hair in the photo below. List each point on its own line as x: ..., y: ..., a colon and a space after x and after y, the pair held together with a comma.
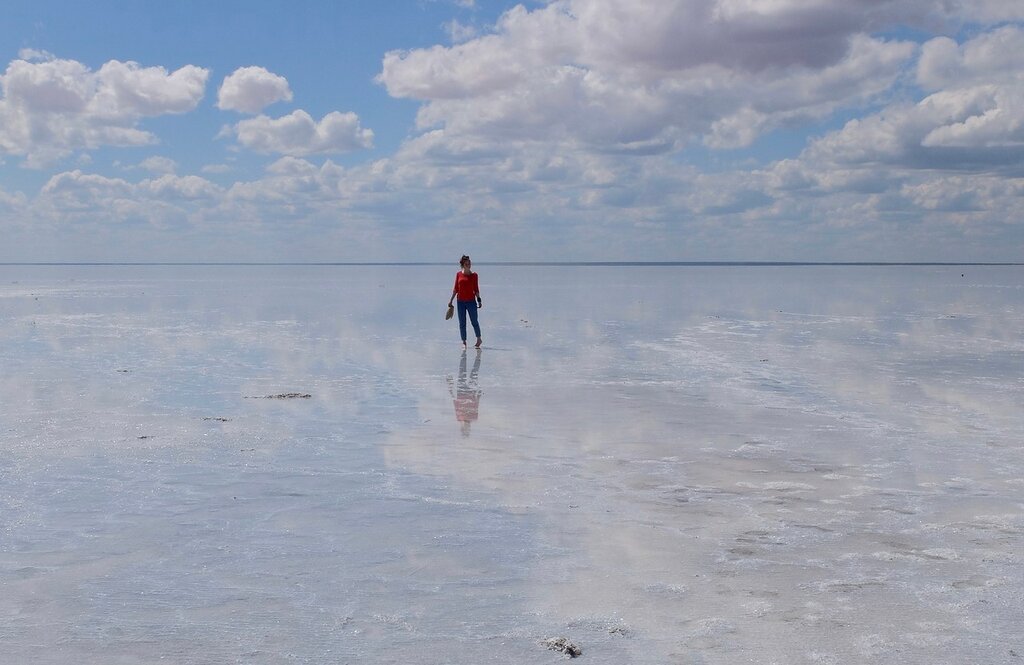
x: 462, y: 261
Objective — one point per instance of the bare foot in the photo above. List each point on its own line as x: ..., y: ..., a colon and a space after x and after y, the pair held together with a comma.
x: 463, y: 346
x: 479, y: 342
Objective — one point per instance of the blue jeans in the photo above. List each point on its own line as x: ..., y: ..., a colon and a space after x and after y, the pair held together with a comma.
x: 470, y: 307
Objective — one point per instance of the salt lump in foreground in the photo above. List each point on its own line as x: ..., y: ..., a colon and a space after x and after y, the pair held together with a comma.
x: 563, y: 645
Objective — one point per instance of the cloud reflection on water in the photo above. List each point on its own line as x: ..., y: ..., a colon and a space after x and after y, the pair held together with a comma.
x: 724, y: 462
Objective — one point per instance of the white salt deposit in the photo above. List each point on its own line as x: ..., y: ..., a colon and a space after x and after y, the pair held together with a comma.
x: 710, y: 465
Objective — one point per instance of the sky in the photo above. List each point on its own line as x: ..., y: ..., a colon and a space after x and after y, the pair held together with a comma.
x: 573, y: 130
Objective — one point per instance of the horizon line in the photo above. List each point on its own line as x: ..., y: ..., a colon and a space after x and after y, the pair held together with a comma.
x: 516, y: 263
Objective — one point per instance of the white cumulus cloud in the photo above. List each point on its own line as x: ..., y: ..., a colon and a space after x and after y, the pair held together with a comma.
x: 251, y: 89
x: 973, y: 119
x: 649, y: 77
x: 93, y: 198
x: 994, y: 57
x: 51, y: 107
x: 299, y: 134
x: 171, y: 187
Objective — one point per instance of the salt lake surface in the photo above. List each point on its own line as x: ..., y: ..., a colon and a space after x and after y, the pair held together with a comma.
x: 700, y: 465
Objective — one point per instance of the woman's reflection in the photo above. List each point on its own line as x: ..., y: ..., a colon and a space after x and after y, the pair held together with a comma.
x: 466, y: 393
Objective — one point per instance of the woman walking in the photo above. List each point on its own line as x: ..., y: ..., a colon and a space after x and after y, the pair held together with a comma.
x: 467, y: 289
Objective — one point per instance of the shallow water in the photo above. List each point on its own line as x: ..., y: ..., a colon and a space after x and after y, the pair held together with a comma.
x: 801, y: 464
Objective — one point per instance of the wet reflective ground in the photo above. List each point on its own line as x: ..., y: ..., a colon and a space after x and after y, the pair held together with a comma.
x: 257, y: 464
